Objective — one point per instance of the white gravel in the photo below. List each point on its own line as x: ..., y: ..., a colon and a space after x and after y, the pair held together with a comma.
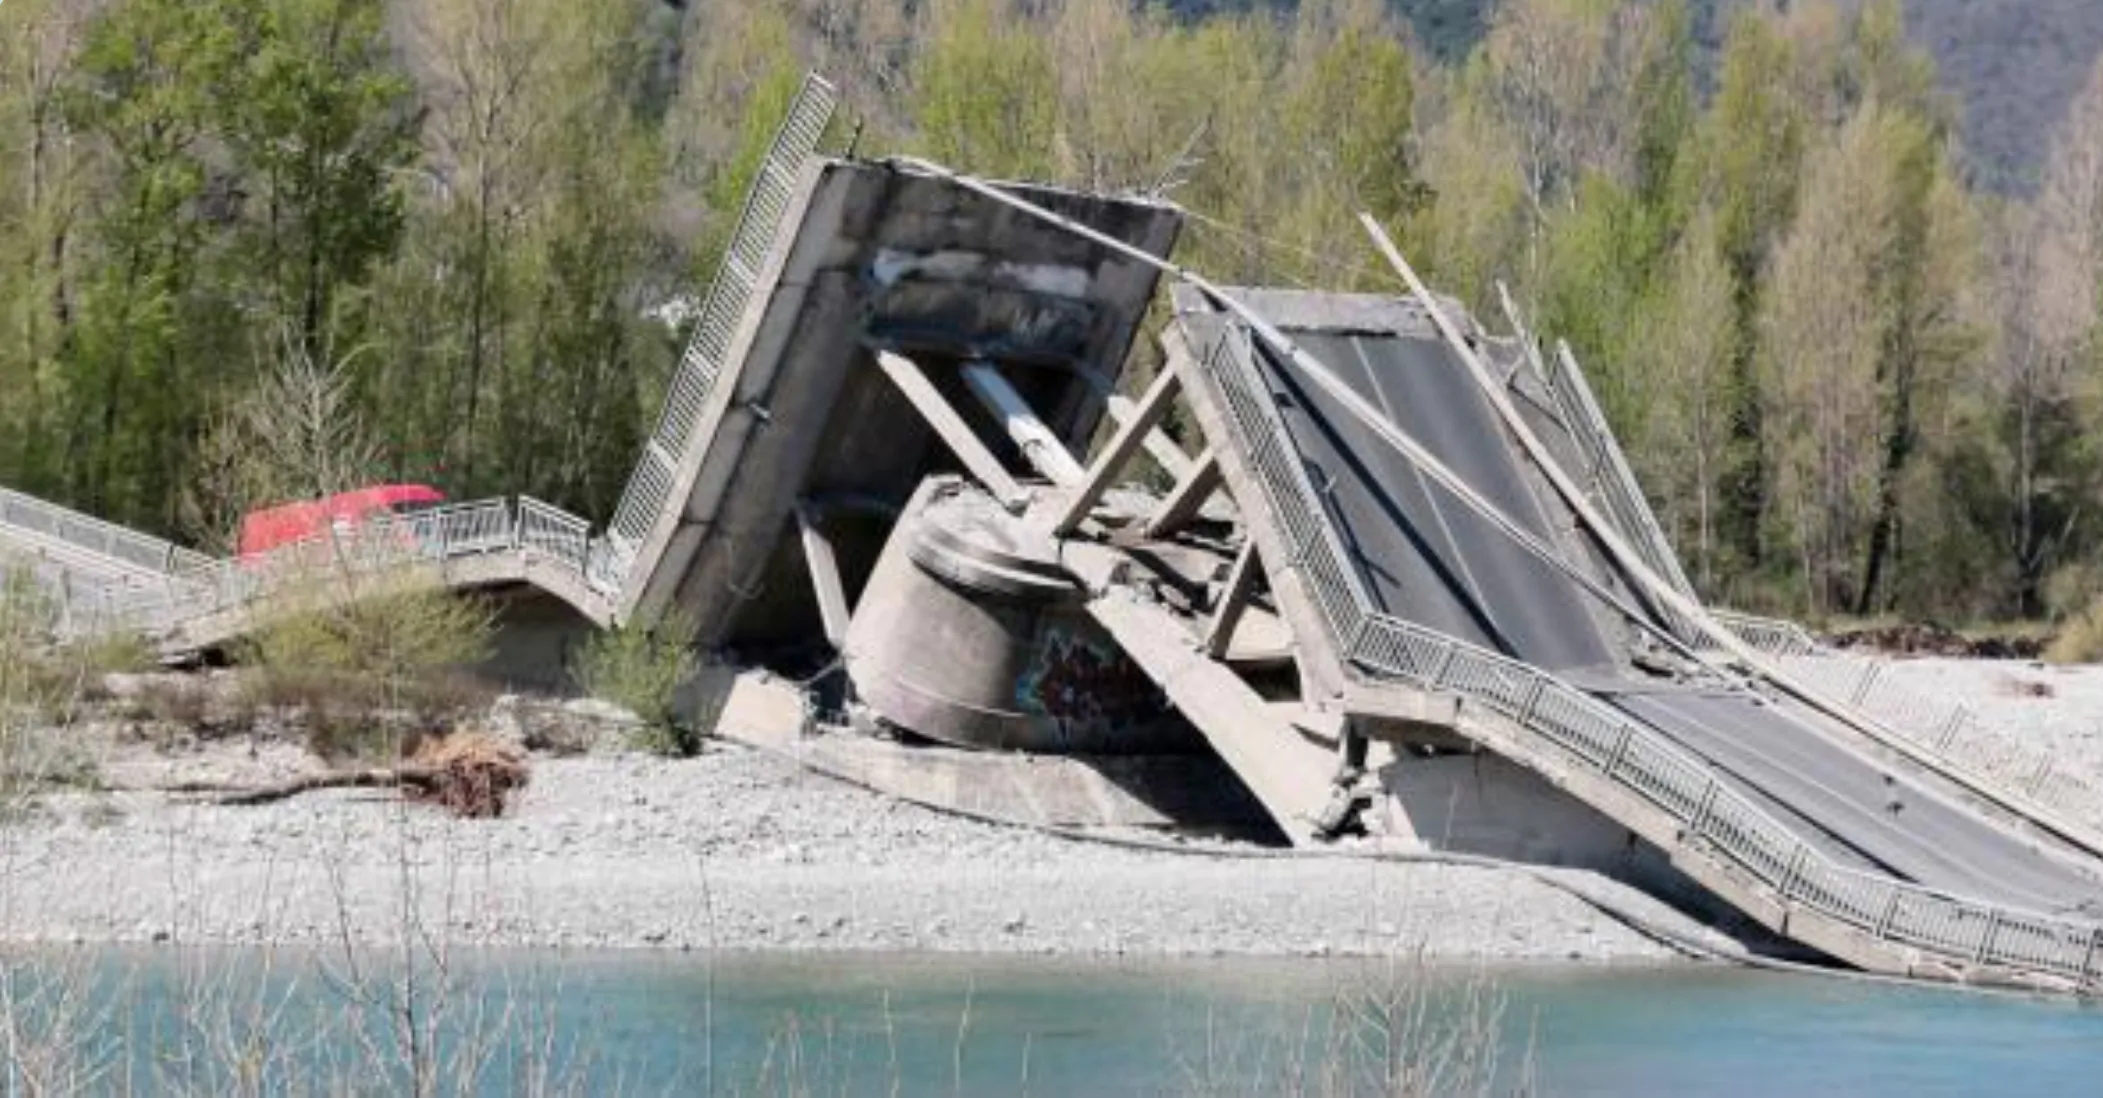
x: 731, y: 850
x: 2042, y: 706
x: 739, y: 850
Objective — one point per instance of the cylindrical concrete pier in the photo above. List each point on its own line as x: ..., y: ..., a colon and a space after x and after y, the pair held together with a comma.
x: 970, y: 632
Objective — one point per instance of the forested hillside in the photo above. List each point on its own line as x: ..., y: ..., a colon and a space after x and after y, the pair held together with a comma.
x: 2012, y: 66
x: 1852, y: 378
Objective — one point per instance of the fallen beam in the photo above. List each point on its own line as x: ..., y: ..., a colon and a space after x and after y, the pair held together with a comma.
x: 1188, y: 497
x: 833, y: 611
x: 1233, y: 601
x: 1040, y: 444
x: 955, y: 433
x: 1169, y: 456
x: 1160, y: 396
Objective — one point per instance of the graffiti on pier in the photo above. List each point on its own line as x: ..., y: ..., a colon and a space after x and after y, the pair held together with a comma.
x: 1085, y: 685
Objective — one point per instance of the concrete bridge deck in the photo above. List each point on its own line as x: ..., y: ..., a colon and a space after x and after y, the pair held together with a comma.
x: 1409, y: 591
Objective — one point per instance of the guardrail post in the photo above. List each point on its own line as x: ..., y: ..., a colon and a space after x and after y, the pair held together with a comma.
x: 2037, y: 780
x: 1890, y: 913
x: 2088, y: 959
x: 1533, y: 697
x: 1359, y: 633
x: 1948, y: 731
x: 1700, y: 822
x: 1437, y: 678
x: 1613, y: 762
x: 1993, y: 927
x: 1794, y: 869
x: 1863, y: 684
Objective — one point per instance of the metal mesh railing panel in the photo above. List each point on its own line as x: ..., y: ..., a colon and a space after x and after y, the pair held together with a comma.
x: 729, y: 296
x: 1614, y: 482
x: 123, y: 549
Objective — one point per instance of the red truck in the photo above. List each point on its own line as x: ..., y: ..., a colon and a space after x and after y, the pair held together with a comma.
x: 291, y: 523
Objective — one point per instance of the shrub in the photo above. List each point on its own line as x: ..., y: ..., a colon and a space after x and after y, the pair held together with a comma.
x: 178, y: 702
x: 38, y: 683
x: 369, y: 661
x: 2080, y: 638
x: 119, y: 652
x: 641, y: 668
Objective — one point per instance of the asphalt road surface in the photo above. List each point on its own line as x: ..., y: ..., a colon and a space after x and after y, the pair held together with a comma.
x: 1425, y: 557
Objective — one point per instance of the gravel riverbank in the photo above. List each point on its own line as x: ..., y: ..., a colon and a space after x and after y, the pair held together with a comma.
x: 739, y: 850
x: 734, y: 849
x: 2048, y: 708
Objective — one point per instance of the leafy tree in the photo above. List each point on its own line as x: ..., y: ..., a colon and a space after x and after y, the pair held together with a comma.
x: 984, y: 89
x: 1752, y: 142
x: 322, y: 125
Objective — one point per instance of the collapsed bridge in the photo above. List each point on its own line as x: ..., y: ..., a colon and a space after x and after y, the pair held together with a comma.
x: 1405, y: 584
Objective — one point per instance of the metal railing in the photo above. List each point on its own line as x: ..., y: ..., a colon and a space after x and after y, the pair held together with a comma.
x: 125, y: 550
x: 373, y: 546
x: 1946, y: 729
x: 1950, y: 732
x: 1772, y: 636
x: 759, y: 223
x: 1612, y: 482
x: 1581, y: 732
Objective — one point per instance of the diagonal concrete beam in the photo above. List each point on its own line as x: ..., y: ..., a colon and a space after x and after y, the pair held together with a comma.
x: 980, y: 461
x: 833, y: 610
x: 1189, y: 494
x: 1169, y: 456
x: 1040, y: 444
x: 1233, y: 601
x: 1160, y: 397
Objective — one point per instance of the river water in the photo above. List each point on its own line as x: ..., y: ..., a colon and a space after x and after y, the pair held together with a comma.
x: 884, y: 1025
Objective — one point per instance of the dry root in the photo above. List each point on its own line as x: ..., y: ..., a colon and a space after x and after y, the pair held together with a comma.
x: 471, y: 774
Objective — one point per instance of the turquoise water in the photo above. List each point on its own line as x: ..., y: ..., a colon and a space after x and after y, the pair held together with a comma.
x: 851, y: 1025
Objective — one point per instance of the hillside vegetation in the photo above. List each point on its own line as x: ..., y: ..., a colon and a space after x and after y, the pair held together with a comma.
x: 1853, y: 379
x: 2012, y: 66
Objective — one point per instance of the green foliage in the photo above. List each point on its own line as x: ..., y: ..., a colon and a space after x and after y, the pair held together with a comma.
x: 387, y: 631
x: 641, y: 669
x: 116, y: 652
x: 29, y: 679
x: 370, y: 662
x: 985, y: 91
x: 1750, y: 224
x: 324, y: 122
x: 41, y: 687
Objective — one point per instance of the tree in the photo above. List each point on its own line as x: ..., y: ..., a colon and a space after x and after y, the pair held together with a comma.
x: 1752, y: 143
x: 984, y: 91
x: 322, y: 126
x: 1349, y: 109
x: 2051, y: 257
x: 139, y: 356
x: 1679, y: 354
x: 1865, y: 326
x: 39, y: 198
